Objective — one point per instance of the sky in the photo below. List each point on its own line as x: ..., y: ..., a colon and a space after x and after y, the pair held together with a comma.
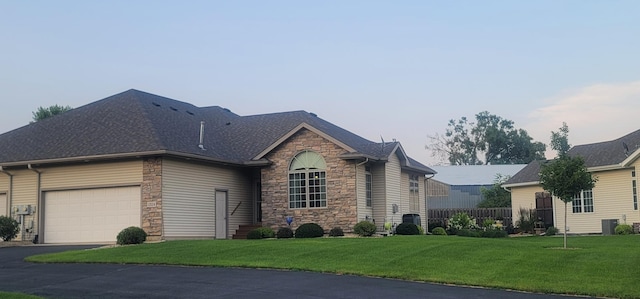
x: 381, y: 69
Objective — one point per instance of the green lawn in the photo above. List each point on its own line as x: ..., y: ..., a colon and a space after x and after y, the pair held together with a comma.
x: 596, y: 265
x: 6, y: 295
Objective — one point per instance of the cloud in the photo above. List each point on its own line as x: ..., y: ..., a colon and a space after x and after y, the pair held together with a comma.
x: 595, y: 113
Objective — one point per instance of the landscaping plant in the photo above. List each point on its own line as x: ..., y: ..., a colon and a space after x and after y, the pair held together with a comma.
x: 461, y: 221
x: 9, y: 228
x: 284, y: 233
x: 623, y: 229
x: 336, y: 232
x: 407, y: 229
x: 309, y: 230
x: 439, y: 231
x: 364, y: 229
x: 131, y: 235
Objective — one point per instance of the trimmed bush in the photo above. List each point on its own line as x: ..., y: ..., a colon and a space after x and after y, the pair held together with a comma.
x: 407, y: 229
x: 9, y: 228
x: 336, y: 232
x: 433, y: 224
x: 624, y: 229
x: 551, y: 231
x: 439, y: 231
x: 309, y: 230
x: 364, y: 229
x: 255, y: 234
x: 131, y: 235
x: 493, y: 233
x: 420, y: 230
x: 266, y: 232
x: 468, y: 233
x: 284, y: 233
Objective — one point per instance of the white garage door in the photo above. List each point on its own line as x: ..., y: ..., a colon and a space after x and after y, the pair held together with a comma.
x: 91, y: 215
x: 3, y: 205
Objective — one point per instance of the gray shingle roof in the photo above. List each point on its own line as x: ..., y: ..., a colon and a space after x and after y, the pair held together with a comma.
x: 139, y: 122
x: 606, y: 153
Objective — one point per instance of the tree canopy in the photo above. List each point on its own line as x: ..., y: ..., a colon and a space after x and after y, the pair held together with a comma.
x: 560, y: 140
x: 496, y: 196
x: 491, y: 139
x: 42, y: 112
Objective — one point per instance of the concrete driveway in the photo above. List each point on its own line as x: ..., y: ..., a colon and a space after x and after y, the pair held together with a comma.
x: 136, y: 281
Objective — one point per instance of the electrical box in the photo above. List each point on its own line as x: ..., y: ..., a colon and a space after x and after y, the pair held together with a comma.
x: 24, y: 210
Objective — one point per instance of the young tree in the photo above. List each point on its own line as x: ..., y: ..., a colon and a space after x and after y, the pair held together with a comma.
x: 564, y: 177
x: 560, y: 140
x: 490, y: 137
x: 42, y: 113
x: 496, y: 196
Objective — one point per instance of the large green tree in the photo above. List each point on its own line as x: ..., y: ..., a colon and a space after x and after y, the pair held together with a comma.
x: 560, y: 140
x: 491, y: 139
x: 565, y: 177
x: 42, y: 112
x: 496, y: 196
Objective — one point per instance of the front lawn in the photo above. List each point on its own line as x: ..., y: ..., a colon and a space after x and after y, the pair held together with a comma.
x: 596, y: 265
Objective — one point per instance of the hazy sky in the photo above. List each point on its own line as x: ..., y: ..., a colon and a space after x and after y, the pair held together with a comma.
x: 396, y: 69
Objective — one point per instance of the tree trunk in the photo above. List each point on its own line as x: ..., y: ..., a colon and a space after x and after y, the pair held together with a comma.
x: 565, y: 225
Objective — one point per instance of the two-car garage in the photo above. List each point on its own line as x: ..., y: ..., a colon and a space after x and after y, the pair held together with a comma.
x: 89, y: 215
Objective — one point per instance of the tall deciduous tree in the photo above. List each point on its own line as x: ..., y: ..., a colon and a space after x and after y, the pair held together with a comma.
x: 42, y: 112
x: 491, y: 139
x: 565, y: 177
x: 496, y: 196
x: 560, y: 140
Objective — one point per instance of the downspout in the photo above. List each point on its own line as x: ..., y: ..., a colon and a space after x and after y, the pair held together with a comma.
x: 365, y: 197
x: 38, y: 200
x: 426, y: 200
x: 10, y: 196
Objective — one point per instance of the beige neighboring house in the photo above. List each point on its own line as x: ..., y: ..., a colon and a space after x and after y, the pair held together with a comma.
x: 186, y: 172
x: 614, y: 199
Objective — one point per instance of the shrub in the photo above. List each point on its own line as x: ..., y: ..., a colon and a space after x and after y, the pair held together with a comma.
x: 131, y: 235
x: 266, y: 232
x: 254, y: 235
x: 364, y: 229
x: 284, y: 233
x: 9, y: 228
x: 420, y: 230
x: 493, y: 233
x: 336, y: 232
x: 526, y: 220
x: 488, y: 223
x: 433, y: 224
x: 551, y: 231
x: 309, y: 230
x: 461, y: 221
x: 407, y: 229
x: 624, y: 229
x: 439, y: 231
x: 468, y: 233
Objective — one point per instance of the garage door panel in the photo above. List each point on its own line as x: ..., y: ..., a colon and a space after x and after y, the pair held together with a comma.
x: 92, y: 215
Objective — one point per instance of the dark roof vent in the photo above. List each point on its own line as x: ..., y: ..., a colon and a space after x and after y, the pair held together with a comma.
x: 228, y: 123
x: 626, y: 149
x: 155, y: 104
x: 173, y: 108
x: 313, y: 114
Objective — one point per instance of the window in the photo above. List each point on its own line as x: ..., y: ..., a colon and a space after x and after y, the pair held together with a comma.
x: 634, y: 188
x: 414, y: 193
x: 307, y: 181
x: 368, y: 179
x: 583, y: 202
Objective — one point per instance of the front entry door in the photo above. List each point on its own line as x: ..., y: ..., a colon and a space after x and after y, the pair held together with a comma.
x: 544, y: 208
x: 221, y: 214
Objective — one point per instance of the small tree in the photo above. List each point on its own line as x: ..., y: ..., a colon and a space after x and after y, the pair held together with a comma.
x: 496, y: 196
x: 560, y: 140
x: 564, y: 177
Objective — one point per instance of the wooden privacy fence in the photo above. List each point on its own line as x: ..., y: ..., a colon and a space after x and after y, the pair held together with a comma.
x: 480, y: 214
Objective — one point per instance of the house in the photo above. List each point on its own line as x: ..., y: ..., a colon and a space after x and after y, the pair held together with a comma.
x: 614, y: 198
x: 459, y: 186
x: 184, y: 172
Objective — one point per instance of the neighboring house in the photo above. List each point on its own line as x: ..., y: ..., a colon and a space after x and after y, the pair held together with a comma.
x: 459, y: 186
x: 181, y: 171
x: 614, y: 197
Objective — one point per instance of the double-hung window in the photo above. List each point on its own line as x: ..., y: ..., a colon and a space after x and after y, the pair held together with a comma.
x: 583, y: 202
x: 307, y: 181
x: 414, y: 193
x: 368, y: 186
x: 634, y: 188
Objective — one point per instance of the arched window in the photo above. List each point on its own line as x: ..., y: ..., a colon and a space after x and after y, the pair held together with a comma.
x: 307, y: 181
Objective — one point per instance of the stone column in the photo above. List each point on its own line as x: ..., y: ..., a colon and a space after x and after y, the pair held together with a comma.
x: 152, y: 198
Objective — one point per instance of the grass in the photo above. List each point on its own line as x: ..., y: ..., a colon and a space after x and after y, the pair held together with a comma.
x: 7, y: 295
x: 605, y: 266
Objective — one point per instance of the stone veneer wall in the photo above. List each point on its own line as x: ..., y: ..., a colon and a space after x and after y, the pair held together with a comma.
x: 341, y: 207
x: 152, y: 198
